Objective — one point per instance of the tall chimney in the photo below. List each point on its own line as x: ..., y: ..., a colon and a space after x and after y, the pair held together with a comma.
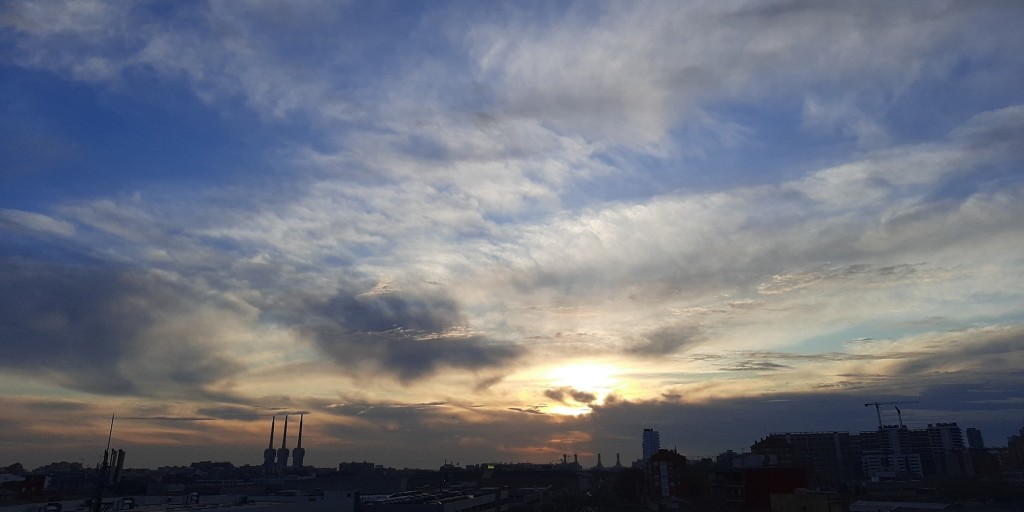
x: 269, y: 454
x: 272, y: 421
x: 299, y: 453
x: 282, y: 453
x: 284, y: 437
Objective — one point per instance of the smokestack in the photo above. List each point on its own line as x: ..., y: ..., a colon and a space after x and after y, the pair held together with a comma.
x: 284, y: 437
x: 282, y: 453
x: 299, y: 453
x: 269, y: 454
x: 271, y: 445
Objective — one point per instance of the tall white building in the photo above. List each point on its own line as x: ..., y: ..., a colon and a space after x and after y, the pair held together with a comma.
x: 652, y: 443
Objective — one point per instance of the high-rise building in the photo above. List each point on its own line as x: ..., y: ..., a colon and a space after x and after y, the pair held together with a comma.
x: 974, y: 440
x: 895, y: 452
x: 946, y: 441
x: 891, y: 452
x: 652, y: 443
x: 945, y: 437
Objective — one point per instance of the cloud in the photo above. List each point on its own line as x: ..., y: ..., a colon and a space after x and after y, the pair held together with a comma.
x: 566, y: 395
x: 863, y: 275
x: 629, y: 73
x: 529, y: 410
x: 166, y: 418
x: 994, y: 130
x: 995, y: 350
x: 408, y: 334
x: 844, y: 117
x: 528, y: 189
x: 35, y: 222
x: 60, y: 406
x: 361, y: 404
x: 667, y: 340
x: 745, y: 366
x: 111, y: 330
x: 623, y: 73
x: 220, y: 52
x: 823, y: 356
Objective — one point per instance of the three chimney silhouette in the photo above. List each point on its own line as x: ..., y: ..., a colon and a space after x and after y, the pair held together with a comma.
x: 275, y: 460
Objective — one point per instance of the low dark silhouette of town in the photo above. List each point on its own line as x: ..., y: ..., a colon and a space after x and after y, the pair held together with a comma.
x: 940, y: 466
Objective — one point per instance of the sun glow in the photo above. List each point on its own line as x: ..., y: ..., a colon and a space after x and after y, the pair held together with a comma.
x: 581, y: 386
x: 588, y: 377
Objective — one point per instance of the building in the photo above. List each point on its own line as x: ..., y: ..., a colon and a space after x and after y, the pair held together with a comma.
x: 651, y: 443
x: 1015, y: 450
x: 897, y: 452
x: 663, y: 476
x: 945, y: 437
x: 827, y: 456
x: 752, y: 488
x: 946, y: 443
x: 892, y: 452
x: 974, y: 440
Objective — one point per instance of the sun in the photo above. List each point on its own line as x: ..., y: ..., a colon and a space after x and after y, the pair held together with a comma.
x: 589, y: 377
x: 594, y: 379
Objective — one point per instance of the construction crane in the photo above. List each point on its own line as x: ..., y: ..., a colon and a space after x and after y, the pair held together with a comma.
x: 878, y: 409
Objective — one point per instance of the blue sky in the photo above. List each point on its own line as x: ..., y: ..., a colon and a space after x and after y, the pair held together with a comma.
x: 521, y: 229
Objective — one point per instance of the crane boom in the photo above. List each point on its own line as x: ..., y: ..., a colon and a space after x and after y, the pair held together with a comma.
x: 878, y: 410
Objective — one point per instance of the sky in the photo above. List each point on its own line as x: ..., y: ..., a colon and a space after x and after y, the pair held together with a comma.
x: 504, y: 231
